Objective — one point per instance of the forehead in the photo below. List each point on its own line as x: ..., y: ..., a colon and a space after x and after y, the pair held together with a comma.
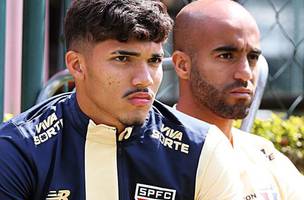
x: 141, y: 48
x: 219, y: 32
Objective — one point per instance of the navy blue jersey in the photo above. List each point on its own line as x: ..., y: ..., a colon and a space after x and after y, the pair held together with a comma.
x: 55, y: 152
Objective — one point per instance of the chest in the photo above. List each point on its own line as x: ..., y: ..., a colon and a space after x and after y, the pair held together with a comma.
x: 258, y: 180
x: 137, y: 169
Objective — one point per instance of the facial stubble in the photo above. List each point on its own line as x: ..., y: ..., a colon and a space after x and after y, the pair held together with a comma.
x: 215, y: 100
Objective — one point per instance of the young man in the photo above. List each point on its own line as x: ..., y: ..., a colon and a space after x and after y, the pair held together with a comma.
x: 216, y: 52
x: 107, y: 141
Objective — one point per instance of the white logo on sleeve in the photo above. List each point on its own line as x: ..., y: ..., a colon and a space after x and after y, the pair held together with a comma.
x: 171, y: 138
x: 47, y: 129
x: 149, y: 192
x: 60, y: 195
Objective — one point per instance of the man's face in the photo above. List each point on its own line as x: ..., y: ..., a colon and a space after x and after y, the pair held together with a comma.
x: 224, y: 71
x: 122, y: 80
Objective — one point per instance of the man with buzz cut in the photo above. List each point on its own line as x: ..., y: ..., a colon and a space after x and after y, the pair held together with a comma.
x: 217, y: 47
x: 110, y: 139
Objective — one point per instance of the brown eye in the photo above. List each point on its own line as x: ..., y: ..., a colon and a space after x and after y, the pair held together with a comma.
x: 155, y: 60
x: 121, y: 58
x: 226, y: 56
x: 253, y: 57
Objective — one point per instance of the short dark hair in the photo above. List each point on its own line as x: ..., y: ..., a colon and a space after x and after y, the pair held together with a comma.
x: 99, y: 20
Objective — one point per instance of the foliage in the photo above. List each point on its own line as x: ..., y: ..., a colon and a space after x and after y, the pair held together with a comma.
x: 287, y: 136
x: 7, y: 116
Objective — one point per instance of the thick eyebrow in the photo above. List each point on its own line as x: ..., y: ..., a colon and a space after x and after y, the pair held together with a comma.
x: 225, y: 48
x: 233, y: 49
x: 125, y: 53
x: 131, y: 53
x: 157, y: 55
x: 257, y: 51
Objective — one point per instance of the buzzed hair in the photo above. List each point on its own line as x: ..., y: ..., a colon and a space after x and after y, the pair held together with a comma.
x: 191, y: 19
x: 184, y: 29
x: 122, y: 20
x: 183, y: 34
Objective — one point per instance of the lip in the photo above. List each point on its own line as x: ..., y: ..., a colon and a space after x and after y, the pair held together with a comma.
x: 241, y: 92
x: 140, y: 98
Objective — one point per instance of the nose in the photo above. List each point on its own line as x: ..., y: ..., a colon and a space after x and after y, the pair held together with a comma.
x: 142, y: 76
x: 243, y: 70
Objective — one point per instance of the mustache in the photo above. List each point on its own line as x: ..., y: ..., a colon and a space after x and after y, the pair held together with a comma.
x: 236, y: 84
x: 135, y: 90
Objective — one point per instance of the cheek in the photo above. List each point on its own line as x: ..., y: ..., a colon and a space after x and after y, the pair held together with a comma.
x: 158, y: 76
x: 112, y: 78
x: 210, y: 71
x: 112, y: 82
x: 217, y: 78
x: 255, y: 76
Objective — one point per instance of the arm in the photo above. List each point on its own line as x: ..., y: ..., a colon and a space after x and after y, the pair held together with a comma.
x: 15, y: 173
x: 218, y: 177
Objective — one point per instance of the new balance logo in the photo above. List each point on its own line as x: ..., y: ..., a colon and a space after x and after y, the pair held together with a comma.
x: 60, y: 195
x: 149, y: 192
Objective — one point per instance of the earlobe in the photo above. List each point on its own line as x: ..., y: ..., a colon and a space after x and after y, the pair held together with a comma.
x: 73, y: 63
x: 182, y: 64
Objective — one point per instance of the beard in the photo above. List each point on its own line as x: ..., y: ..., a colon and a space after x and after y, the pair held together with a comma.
x: 216, y: 100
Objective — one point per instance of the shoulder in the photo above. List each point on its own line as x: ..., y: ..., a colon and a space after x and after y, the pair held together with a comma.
x: 252, y: 141
x: 32, y: 127
x: 179, y: 127
x: 213, y: 138
x: 289, y: 179
x: 179, y: 118
x: 20, y: 137
x: 25, y: 125
x: 195, y: 129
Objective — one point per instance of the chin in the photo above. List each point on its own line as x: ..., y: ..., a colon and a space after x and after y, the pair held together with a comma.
x: 236, y: 110
x: 239, y: 101
x: 134, y: 119
x: 133, y: 122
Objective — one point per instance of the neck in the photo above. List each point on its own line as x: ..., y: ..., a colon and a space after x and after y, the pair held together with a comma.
x: 198, y: 111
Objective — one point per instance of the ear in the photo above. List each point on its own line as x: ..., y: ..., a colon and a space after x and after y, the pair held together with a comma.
x: 182, y: 64
x: 75, y: 64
